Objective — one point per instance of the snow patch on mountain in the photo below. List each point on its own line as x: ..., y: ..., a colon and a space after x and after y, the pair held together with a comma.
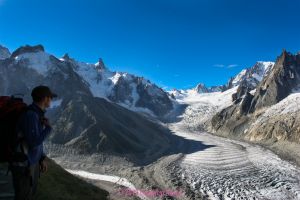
x: 289, y: 105
x: 101, y: 82
x: 92, y: 77
x: 201, y: 107
x: 238, y: 78
x: 254, y: 74
x: 214, y: 98
x: 38, y: 61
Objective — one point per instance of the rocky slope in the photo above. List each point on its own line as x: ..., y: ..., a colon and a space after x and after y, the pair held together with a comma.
x: 57, y: 180
x: 4, y: 52
x: 51, y: 185
x: 88, y: 115
x: 132, y: 92
x: 269, y: 114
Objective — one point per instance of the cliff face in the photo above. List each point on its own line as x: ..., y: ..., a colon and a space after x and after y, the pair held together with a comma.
x: 264, y: 114
x: 282, y: 80
x: 84, y: 116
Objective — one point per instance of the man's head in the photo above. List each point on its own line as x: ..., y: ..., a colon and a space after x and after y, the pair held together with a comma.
x: 42, y: 95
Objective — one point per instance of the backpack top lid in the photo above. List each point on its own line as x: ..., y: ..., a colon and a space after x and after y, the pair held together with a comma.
x: 9, y: 104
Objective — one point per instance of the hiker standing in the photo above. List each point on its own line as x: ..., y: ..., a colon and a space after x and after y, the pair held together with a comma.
x: 32, y: 128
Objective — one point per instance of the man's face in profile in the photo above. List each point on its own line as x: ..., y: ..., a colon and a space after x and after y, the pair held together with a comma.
x: 47, y: 102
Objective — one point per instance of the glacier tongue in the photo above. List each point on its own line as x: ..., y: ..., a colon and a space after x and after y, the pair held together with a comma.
x: 230, y: 169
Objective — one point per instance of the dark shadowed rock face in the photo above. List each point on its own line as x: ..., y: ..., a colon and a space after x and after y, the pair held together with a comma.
x: 243, y: 88
x: 122, y: 92
x: 27, y: 49
x: 201, y: 88
x: 248, y: 79
x: 252, y: 117
x: 159, y: 103
x: 100, y: 65
x: 252, y: 76
x: 81, y: 120
x: 93, y: 125
x: 246, y: 102
x: 281, y: 81
x: 123, y: 88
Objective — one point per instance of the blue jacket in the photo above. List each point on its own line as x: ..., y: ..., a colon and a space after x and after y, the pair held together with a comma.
x: 34, y: 132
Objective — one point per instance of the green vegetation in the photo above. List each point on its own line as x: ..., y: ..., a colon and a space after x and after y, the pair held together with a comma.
x: 59, y: 184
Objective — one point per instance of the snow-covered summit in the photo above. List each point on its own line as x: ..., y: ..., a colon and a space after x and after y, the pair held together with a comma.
x: 133, y: 92
x: 254, y: 74
x: 39, y: 61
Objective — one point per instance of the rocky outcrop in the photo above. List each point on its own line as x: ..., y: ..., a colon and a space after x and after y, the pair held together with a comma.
x: 27, y: 49
x: 4, y: 53
x: 278, y: 122
x: 201, y: 88
x: 106, y: 128
x: 100, y: 65
x: 122, y: 92
x: 219, y: 88
x: 270, y: 113
x: 126, y: 89
x: 281, y: 81
x: 83, y: 120
x: 152, y: 97
x: 242, y: 89
x: 250, y: 77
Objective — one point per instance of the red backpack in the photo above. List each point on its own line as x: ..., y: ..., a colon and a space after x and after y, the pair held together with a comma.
x: 11, y: 109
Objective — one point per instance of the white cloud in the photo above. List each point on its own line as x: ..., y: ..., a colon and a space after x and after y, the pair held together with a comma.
x: 225, y: 66
x: 232, y: 66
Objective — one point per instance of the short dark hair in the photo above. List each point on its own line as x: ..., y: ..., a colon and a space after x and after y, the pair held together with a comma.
x: 40, y: 92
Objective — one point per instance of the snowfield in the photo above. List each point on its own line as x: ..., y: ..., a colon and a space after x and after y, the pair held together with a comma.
x: 201, y: 107
x: 38, y: 61
x: 114, y: 179
x: 289, y: 105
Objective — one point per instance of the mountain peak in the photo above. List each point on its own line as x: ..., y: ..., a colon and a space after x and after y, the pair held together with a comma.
x: 66, y: 56
x: 201, y: 88
x: 100, y: 64
x: 28, y: 49
x: 4, y: 53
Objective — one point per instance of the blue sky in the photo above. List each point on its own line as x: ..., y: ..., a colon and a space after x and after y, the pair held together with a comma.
x: 174, y: 43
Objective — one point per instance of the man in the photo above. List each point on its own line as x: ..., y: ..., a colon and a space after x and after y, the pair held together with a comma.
x: 32, y: 129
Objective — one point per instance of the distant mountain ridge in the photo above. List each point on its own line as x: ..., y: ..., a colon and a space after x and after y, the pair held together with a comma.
x: 246, y: 80
x: 87, y: 115
x: 133, y: 92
